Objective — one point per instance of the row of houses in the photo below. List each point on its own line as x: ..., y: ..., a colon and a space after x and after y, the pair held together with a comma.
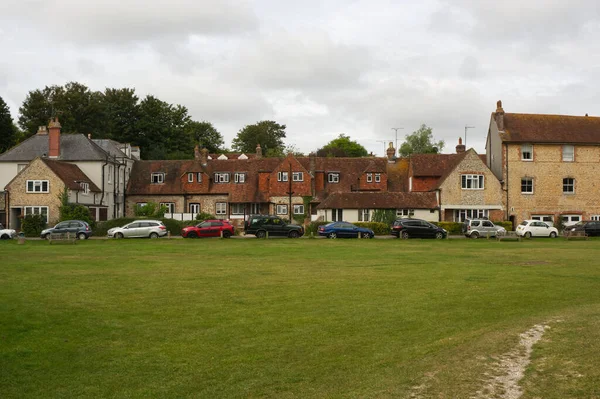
x: 535, y: 166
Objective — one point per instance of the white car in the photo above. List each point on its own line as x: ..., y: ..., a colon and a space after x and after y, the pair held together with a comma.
x: 139, y: 228
x: 535, y: 228
x: 7, y: 234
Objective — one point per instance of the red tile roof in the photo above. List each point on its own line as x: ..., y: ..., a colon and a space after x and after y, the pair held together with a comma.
x: 70, y: 174
x: 363, y: 200
x: 433, y: 165
x: 538, y: 128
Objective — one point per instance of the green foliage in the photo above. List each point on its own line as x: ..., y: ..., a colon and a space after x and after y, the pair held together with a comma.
x: 205, y: 216
x: 451, y: 227
x: 32, y: 225
x: 386, y: 216
x: 380, y: 229
x: 69, y: 211
x: 313, y: 227
x: 342, y: 146
x: 421, y: 142
x: 560, y: 224
x: 268, y: 134
x: 205, y: 135
x: 150, y: 210
x: 8, y: 131
x: 507, y: 224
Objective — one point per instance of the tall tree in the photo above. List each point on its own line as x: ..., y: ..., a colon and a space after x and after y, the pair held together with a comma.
x: 421, y: 142
x: 205, y: 135
x: 268, y: 134
x: 342, y: 146
x: 8, y: 132
x: 121, y: 114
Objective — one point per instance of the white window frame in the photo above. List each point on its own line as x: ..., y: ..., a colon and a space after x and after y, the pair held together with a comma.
x: 377, y: 177
x: 254, y: 209
x: 364, y: 215
x: 169, y: 205
x: 36, y: 210
x: 369, y: 177
x: 532, y: 185
x: 568, y: 153
x: 298, y: 176
x: 157, y: 178
x: 239, y: 177
x: 221, y: 208
x: 404, y: 212
x: 333, y: 177
x: 595, y: 218
x: 567, y: 185
x: 282, y: 176
x: 37, y: 186
x: 221, y: 177
x: 460, y: 215
x: 527, y: 149
x: 85, y: 187
x: 190, y: 177
x: 298, y: 209
x: 281, y: 209
x: 476, y: 182
x: 194, y: 208
x: 570, y: 217
x: 237, y: 209
x: 199, y: 177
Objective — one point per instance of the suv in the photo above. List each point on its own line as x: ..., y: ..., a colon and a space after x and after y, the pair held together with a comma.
x: 590, y: 227
x: 260, y: 225
x: 417, y: 228
x: 139, y: 228
x: 475, y: 228
x: 79, y: 228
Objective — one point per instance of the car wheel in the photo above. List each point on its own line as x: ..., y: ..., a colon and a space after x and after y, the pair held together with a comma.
x: 261, y: 234
x: 332, y: 235
x: 5, y: 237
x: 365, y: 235
x: 553, y: 235
x: 46, y: 237
x: 474, y: 235
x: 439, y: 235
x: 528, y: 234
x: 192, y: 234
x: 226, y: 234
x: 119, y: 235
x: 293, y: 234
x: 81, y: 236
x: 153, y: 235
x: 404, y: 235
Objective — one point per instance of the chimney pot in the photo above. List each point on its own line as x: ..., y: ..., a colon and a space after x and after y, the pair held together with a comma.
x: 197, y: 153
x: 499, y: 116
x: 460, y: 148
x: 42, y: 130
x: 258, y: 151
x: 391, y: 152
x: 204, y: 157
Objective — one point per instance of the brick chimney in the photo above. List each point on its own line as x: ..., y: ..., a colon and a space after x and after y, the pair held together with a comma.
x: 391, y: 152
x: 42, y: 130
x: 54, y: 138
x: 460, y: 148
x: 258, y: 151
x: 197, y: 153
x: 204, y: 156
x: 499, y: 116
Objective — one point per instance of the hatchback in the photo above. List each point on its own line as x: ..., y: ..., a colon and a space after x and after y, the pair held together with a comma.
x: 344, y: 230
x: 417, y: 228
x: 78, y: 228
x: 535, y: 228
x: 209, y: 228
x: 139, y: 229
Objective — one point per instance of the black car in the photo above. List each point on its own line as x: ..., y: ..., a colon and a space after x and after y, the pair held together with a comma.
x: 78, y: 228
x: 591, y: 227
x: 261, y: 225
x: 417, y: 228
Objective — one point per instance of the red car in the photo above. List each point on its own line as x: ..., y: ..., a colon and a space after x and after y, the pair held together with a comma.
x: 209, y: 228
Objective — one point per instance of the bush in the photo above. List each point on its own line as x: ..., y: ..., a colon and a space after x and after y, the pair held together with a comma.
x: 378, y: 228
x: 313, y: 227
x: 32, y: 225
x: 151, y: 210
x: 507, y: 224
x: 204, y: 216
x: 386, y: 216
x: 451, y: 227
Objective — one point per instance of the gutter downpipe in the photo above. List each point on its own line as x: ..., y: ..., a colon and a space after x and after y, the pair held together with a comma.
x: 506, y: 182
x: 103, y: 166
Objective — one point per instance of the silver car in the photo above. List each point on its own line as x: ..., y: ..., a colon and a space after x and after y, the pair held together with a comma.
x: 139, y: 228
x: 475, y: 228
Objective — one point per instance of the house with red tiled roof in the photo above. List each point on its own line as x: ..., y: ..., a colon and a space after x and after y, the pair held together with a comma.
x: 547, y: 165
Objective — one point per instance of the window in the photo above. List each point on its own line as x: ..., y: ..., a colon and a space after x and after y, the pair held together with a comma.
x: 595, y: 217
x: 472, y: 182
x: 239, y: 177
x: 548, y: 219
x: 110, y: 173
x: 298, y: 209
x: 169, y: 205
x: 298, y: 176
x: 21, y: 166
x: 237, y: 209
x: 404, y: 212
x: 460, y: 215
x: 282, y: 176
x: 190, y: 177
x: 199, y: 177
x: 568, y: 185
x: 377, y: 177
x: 568, y: 153
x: 369, y: 177
x: 37, y: 210
x: 37, y: 186
x: 158, y: 178
x: 527, y: 152
x: 85, y: 187
x: 221, y: 177
x: 254, y: 209
x: 363, y: 215
x: 333, y: 177
x: 282, y: 209
x: 221, y: 208
x: 527, y: 185
x: 194, y: 208
x: 569, y: 220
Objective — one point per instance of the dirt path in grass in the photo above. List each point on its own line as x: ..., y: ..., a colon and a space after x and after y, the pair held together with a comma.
x: 502, y: 381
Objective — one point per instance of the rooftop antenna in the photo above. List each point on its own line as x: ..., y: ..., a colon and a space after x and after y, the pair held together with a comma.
x: 467, y: 127
x: 382, y: 141
x: 396, y: 130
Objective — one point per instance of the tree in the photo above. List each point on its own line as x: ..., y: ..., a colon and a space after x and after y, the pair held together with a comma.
x: 268, y: 134
x: 121, y: 112
x: 8, y: 132
x: 421, y: 142
x: 205, y: 135
x: 342, y: 146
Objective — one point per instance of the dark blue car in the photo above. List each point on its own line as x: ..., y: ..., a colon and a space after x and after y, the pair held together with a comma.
x: 344, y: 230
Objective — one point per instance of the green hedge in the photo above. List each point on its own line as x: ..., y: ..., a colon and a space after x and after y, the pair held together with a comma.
x: 174, y: 226
x: 507, y: 224
x: 32, y: 225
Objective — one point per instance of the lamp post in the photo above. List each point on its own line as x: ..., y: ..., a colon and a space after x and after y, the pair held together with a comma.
x: 396, y: 130
x: 467, y: 127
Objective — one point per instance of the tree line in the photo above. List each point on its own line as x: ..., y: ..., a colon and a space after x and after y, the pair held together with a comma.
x: 162, y: 130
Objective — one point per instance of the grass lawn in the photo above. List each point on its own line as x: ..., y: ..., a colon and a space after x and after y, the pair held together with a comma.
x: 245, y: 318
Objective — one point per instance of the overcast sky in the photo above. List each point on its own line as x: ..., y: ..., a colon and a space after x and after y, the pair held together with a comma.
x: 320, y: 67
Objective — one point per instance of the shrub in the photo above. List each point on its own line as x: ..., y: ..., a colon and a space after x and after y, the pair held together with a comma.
x: 378, y: 228
x: 451, y: 227
x: 507, y: 224
x: 69, y: 211
x: 204, y: 216
x: 313, y: 227
x: 386, y: 216
x: 151, y: 210
x: 32, y: 225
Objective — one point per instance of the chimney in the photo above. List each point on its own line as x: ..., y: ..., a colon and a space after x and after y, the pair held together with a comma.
x: 204, y: 157
x: 89, y: 136
x: 499, y: 116
x: 391, y: 152
x: 460, y: 148
x: 54, y: 138
x: 258, y: 151
x: 42, y: 130
x: 197, y: 153
x: 312, y: 166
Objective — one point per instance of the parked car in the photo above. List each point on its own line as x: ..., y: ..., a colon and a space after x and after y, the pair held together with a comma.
x: 209, y: 228
x: 344, y: 230
x: 7, y: 234
x: 590, y: 227
x: 417, y: 228
x: 535, y: 228
x: 475, y: 228
x: 79, y: 228
x: 139, y: 229
x: 260, y: 225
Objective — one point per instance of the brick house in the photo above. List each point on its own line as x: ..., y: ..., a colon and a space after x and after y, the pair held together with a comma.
x: 547, y: 165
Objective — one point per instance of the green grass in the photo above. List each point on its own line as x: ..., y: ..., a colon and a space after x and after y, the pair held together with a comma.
x: 294, y: 318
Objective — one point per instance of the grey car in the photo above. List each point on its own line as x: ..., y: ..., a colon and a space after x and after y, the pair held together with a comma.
x: 77, y: 228
x: 139, y: 229
x: 475, y: 228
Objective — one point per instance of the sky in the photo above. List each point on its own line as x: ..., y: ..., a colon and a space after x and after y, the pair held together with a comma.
x: 321, y: 67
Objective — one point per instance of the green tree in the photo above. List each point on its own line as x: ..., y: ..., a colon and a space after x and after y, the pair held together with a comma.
x: 342, y: 146
x: 421, y: 142
x: 8, y: 132
x: 268, y: 134
x: 121, y: 113
x: 205, y: 135
x: 68, y: 211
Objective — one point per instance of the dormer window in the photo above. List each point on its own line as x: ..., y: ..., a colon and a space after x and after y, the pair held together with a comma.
x: 221, y: 177
x: 369, y: 177
x: 377, y: 177
x: 157, y: 178
x: 240, y: 177
x: 527, y: 152
x: 190, y: 177
x: 333, y: 177
x: 85, y: 187
x: 297, y: 176
x: 282, y: 176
